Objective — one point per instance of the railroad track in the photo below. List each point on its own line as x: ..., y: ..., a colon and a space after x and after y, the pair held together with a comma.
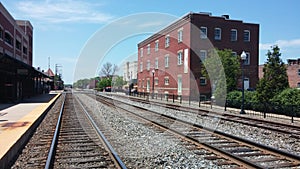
x: 77, y: 142
x: 285, y: 128
x: 233, y: 150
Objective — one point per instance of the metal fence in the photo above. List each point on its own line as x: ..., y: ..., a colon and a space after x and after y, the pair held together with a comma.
x: 264, y: 109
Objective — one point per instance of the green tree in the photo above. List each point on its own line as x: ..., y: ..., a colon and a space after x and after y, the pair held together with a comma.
x: 288, y: 97
x: 223, y: 69
x: 82, y: 83
x: 104, y: 82
x: 118, y: 82
x: 275, y: 77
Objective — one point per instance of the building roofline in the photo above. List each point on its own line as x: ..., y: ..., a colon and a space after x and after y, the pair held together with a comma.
x: 183, y: 19
x: 24, y: 23
x: 167, y: 28
x: 13, y: 21
x: 7, y: 14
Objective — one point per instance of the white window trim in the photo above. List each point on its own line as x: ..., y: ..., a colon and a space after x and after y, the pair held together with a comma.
x: 156, y: 81
x: 180, y: 62
x: 167, y: 63
x: 180, y: 35
x: 156, y: 63
x: 201, y: 33
x: 167, y: 44
x: 233, y: 40
x: 10, y: 45
x: 220, y: 34
x: 204, y: 51
x: 166, y: 77
x: 141, y: 52
x: 249, y: 36
x: 203, y: 84
x: 248, y: 59
x: 234, y: 53
x: 148, y: 65
x: 156, y: 46
x: 179, y: 91
x: 148, y: 49
x: 141, y: 66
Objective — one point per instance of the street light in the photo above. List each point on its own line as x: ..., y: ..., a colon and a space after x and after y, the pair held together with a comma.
x: 243, y: 57
x: 153, y: 71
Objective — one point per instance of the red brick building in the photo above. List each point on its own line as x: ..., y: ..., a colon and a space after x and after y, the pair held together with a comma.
x: 292, y: 70
x: 175, y: 54
x: 18, y: 78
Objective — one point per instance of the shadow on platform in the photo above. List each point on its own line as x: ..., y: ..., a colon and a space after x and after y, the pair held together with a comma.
x: 43, y: 98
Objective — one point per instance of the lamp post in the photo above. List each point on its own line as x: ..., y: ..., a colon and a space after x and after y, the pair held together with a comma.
x: 243, y: 57
x: 153, y: 71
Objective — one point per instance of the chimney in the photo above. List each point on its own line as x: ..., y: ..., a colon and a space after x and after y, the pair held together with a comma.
x: 225, y: 16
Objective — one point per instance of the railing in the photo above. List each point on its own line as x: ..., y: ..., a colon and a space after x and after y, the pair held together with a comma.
x: 264, y: 109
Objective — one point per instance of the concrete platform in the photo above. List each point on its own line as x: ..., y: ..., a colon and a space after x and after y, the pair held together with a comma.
x: 17, y: 121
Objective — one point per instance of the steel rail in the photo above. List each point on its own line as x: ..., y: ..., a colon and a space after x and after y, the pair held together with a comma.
x: 55, y: 137
x: 109, y: 146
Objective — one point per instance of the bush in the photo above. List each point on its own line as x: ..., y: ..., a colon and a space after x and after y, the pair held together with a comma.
x: 287, y: 102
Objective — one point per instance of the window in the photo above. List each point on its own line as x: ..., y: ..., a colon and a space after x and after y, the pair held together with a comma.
x: 179, y: 84
x: 298, y: 85
x: 148, y: 49
x: 167, y: 61
x: 299, y: 72
x: 24, y: 50
x: 247, y: 61
x: 234, y: 54
x: 18, y: 45
x: 8, y: 38
x: 166, y: 80
x: 155, y: 81
x: 143, y: 83
x: 148, y: 85
x: 167, y: 41
x: 203, y: 55
x: 203, y: 32
x: 1, y: 32
x: 202, y: 81
x: 148, y: 65
x: 246, y: 36
x: 179, y: 58
x: 141, y: 52
x: 156, y: 45
x: 233, y: 35
x: 217, y: 33
x: 141, y: 66
x: 156, y: 63
x: 180, y: 33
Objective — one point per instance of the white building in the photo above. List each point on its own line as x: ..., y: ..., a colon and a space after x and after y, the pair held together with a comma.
x: 130, y: 72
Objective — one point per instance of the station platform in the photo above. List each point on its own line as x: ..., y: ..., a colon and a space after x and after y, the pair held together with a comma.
x: 17, y: 121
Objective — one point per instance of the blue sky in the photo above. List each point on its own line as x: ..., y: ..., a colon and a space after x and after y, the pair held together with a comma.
x: 62, y: 28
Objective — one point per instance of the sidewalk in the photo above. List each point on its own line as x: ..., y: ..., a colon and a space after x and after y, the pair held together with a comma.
x: 18, y: 121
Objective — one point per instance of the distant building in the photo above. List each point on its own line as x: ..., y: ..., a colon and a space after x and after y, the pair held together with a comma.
x: 130, y: 72
x: 175, y: 53
x: 292, y: 70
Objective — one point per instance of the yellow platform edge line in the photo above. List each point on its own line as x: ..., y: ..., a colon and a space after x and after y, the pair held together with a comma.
x: 9, y: 137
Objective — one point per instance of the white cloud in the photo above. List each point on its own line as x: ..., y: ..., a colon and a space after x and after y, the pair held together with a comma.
x: 281, y: 44
x: 62, y: 11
